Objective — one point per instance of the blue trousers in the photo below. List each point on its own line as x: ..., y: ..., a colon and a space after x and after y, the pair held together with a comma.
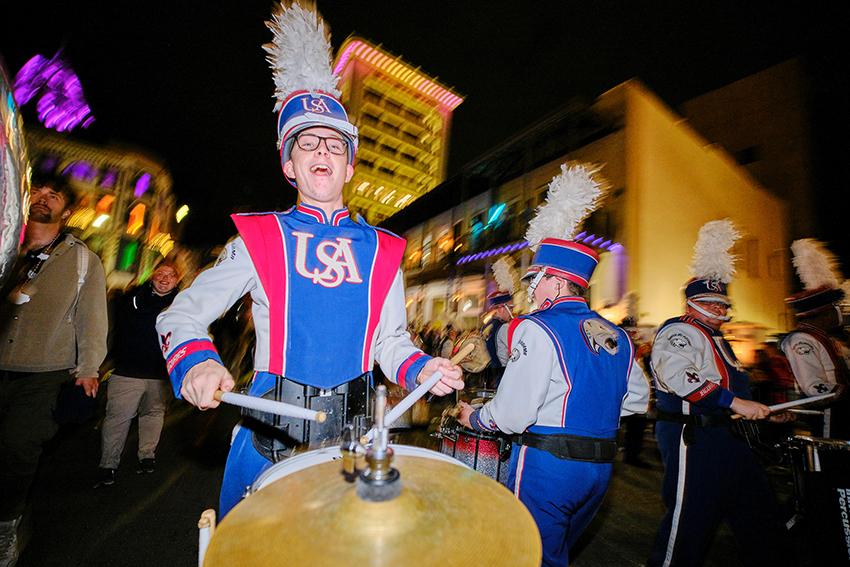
x: 243, y: 466
x: 712, y: 478
x: 562, y: 496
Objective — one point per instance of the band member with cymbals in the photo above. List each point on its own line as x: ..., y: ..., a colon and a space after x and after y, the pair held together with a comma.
x: 570, y: 376
x: 326, y: 289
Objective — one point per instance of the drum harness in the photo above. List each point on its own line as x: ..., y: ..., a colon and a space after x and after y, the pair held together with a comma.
x: 276, y: 437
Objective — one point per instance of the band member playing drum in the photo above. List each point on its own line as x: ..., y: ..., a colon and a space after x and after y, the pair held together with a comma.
x: 327, y: 292
x: 818, y: 348
x: 570, y: 375
x: 710, y: 473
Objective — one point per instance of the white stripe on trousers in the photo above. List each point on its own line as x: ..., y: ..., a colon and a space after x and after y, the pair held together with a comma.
x: 680, y: 497
x: 520, y: 462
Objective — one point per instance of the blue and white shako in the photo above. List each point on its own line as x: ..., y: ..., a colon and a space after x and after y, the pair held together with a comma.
x: 565, y: 258
x: 306, y: 109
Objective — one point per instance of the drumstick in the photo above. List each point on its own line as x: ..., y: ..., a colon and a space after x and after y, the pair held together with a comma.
x: 269, y: 406
x: 793, y: 403
x: 420, y: 391
x: 206, y: 527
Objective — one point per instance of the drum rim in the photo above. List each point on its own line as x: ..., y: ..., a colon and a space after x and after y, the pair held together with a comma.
x: 262, y: 479
x: 460, y: 429
x: 819, y: 442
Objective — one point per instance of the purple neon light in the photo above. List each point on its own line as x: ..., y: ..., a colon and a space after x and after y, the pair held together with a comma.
x: 59, y: 95
x: 80, y: 170
x: 108, y: 179
x: 592, y: 239
x: 142, y: 185
x: 49, y: 163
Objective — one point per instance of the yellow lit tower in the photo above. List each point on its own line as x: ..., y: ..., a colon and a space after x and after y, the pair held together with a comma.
x: 403, y: 117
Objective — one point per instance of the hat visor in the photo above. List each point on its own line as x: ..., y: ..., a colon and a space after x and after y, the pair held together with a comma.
x: 712, y: 298
x: 532, y: 271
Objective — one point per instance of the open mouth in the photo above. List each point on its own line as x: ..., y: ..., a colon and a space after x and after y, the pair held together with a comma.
x: 321, y: 169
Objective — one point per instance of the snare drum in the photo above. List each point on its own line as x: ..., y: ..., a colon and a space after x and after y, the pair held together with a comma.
x: 487, y: 453
x: 311, y: 458
x: 822, y: 489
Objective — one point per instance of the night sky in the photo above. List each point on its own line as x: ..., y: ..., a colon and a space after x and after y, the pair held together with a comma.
x: 187, y: 80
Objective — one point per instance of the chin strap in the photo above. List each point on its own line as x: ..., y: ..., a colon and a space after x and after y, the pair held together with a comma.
x: 708, y: 313
x: 533, y: 285
x: 843, y: 316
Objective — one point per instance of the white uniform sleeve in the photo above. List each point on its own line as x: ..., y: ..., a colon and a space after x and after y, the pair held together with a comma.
x: 183, y: 327
x: 813, y: 368
x: 522, y: 391
x: 399, y: 359
x: 637, y: 395
x: 502, y: 344
x: 683, y: 364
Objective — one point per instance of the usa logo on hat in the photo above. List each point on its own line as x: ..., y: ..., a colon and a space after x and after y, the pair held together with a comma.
x: 305, y: 109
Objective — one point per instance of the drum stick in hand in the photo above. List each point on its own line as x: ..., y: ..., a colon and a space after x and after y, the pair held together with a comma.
x: 793, y: 403
x: 269, y: 406
x: 407, y: 402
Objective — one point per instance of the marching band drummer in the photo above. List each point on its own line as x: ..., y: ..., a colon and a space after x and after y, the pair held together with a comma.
x: 570, y: 376
x: 710, y: 472
x: 818, y: 349
x: 327, y: 291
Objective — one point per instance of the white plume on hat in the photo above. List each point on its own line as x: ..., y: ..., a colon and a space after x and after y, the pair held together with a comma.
x: 712, y: 260
x: 506, y: 276
x: 815, y: 264
x: 300, y: 52
x: 572, y: 196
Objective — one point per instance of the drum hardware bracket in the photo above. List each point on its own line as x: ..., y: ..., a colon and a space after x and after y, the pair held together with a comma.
x: 378, y: 481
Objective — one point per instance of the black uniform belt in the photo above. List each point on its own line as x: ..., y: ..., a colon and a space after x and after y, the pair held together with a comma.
x: 573, y: 447
x: 697, y: 420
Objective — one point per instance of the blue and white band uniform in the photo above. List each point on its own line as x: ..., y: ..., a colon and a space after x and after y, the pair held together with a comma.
x: 563, y: 377
x: 710, y: 474
x: 349, y: 311
x: 808, y: 354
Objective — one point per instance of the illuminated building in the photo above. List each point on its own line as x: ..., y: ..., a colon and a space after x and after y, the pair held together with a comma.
x: 765, y: 122
x: 666, y: 182
x: 125, y: 210
x: 403, y: 117
x: 56, y: 91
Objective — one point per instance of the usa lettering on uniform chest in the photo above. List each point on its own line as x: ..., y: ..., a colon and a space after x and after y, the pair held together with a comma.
x: 335, y: 255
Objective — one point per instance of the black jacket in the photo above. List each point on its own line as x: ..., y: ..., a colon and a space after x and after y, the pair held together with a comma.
x: 135, y: 343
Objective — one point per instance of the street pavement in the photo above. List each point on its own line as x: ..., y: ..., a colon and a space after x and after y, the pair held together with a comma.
x: 151, y: 519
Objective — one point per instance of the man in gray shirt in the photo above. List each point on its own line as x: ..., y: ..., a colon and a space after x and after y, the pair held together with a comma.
x: 53, y: 329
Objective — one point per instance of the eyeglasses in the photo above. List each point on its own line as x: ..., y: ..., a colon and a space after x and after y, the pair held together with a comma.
x: 309, y: 142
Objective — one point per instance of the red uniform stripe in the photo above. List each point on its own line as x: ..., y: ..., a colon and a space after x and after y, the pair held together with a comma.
x: 718, y: 361
x: 263, y: 238
x: 185, y: 350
